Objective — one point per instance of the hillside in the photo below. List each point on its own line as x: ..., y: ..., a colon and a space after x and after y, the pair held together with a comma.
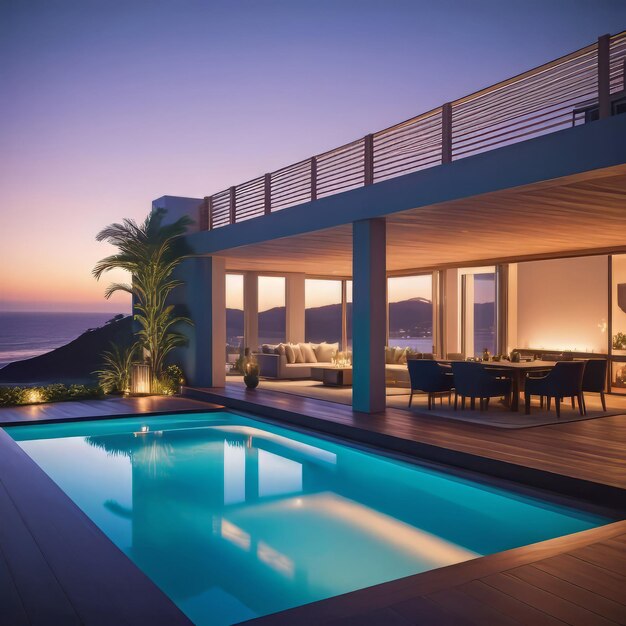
x: 73, y: 362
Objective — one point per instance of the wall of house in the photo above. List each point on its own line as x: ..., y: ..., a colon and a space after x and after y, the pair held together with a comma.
x: 562, y: 304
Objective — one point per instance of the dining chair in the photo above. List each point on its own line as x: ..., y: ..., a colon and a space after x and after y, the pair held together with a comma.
x: 430, y: 377
x: 472, y: 380
x: 594, y: 380
x: 564, y: 380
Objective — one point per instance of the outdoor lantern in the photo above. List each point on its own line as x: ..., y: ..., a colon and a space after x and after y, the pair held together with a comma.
x: 140, y: 379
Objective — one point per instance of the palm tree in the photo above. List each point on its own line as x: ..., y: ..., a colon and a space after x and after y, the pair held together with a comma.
x: 149, y: 252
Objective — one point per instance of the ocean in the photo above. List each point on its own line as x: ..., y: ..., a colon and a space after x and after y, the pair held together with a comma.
x: 25, y: 335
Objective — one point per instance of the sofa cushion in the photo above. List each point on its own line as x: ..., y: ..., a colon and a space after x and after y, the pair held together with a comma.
x: 280, y: 349
x: 400, y: 356
x: 389, y: 355
x: 294, y: 354
x: 308, y: 353
x: 268, y: 348
x: 326, y: 352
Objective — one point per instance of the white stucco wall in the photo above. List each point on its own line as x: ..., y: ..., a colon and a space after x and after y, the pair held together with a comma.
x: 563, y: 304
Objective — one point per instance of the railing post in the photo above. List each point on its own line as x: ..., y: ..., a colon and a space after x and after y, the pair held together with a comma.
x: 313, y: 178
x: 368, y: 146
x: 268, y: 194
x: 210, y: 212
x: 604, y: 76
x: 203, y: 214
x: 446, y: 133
x: 231, y: 205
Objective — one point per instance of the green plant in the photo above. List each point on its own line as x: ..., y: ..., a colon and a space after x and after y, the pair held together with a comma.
x: 150, y: 252
x: 14, y: 396
x: 619, y: 341
x: 171, y: 380
x: 114, y: 377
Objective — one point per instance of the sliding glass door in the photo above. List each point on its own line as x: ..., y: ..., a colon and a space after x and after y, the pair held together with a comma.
x: 479, y: 311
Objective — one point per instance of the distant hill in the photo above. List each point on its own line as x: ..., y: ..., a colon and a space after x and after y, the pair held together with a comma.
x: 411, y: 317
x: 73, y: 362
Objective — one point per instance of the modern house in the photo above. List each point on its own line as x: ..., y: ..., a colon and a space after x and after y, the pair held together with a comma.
x: 502, y: 214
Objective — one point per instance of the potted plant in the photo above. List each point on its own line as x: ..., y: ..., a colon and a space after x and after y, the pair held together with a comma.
x: 619, y: 341
x: 250, y: 369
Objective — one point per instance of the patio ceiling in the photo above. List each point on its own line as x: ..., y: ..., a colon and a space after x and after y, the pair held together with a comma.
x: 581, y: 213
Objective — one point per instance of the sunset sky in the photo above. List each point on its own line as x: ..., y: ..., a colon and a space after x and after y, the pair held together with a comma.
x: 108, y: 105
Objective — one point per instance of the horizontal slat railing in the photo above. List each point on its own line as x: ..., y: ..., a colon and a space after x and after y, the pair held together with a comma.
x: 551, y: 97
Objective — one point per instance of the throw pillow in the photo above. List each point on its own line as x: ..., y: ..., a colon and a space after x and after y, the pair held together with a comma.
x: 389, y: 355
x: 290, y: 354
x: 299, y: 358
x: 280, y: 349
x: 308, y: 353
x: 401, y: 356
x: 326, y: 352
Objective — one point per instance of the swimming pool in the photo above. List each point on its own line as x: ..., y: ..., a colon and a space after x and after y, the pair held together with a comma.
x: 235, y: 518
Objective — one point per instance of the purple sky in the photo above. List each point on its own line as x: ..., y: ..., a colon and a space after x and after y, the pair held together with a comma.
x: 108, y: 104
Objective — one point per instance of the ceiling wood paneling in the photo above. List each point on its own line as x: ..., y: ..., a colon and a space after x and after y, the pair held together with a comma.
x: 585, y: 212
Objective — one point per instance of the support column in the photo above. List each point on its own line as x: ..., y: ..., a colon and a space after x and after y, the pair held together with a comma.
x: 251, y: 310
x: 467, y: 307
x: 452, y: 312
x: 294, y: 308
x: 502, y: 308
x: 369, y: 314
x: 204, y: 297
x: 512, y: 308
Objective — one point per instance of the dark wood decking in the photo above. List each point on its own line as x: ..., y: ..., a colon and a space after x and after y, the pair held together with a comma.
x: 578, y: 580
x: 583, y: 459
x: 94, y: 409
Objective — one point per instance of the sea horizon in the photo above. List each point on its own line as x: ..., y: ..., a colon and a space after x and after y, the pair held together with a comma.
x: 27, y: 334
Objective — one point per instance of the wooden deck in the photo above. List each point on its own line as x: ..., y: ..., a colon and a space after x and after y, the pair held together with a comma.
x: 583, y: 459
x: 94, y: 409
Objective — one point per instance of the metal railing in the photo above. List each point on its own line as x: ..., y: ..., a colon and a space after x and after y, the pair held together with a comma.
x: 568, y: 91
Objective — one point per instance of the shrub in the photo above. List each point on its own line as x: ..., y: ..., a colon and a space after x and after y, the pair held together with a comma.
x: 114, y: 377
x: 171, y: 380
x: 15, y: 396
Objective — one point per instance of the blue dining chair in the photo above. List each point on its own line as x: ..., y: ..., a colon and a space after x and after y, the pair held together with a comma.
x: 472, y: 380
x: 564, y: 380
x: 429, y: 377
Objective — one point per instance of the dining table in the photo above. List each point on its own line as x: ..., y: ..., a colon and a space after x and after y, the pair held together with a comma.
x: 516, y: 371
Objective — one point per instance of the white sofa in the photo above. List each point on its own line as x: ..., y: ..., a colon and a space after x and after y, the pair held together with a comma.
x: 274, y: 363
x: 276, y: 366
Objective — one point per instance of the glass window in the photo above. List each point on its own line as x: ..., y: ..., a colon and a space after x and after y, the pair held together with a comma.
x: 271, y: 309
x: 411, y: 312
x: 234, y: 317
x: 349, y: 314
x: 323, y: 310
x: 479, y: 311
x: 618, y: 324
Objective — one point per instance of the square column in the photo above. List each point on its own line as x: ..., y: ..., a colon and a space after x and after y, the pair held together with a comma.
x: 294, y: 308
x: 251, y: 310
x: 452, y: 312
x: 369, y: 314
x: 204, y: 298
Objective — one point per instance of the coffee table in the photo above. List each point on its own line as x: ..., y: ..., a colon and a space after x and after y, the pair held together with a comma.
x: 333, y: 376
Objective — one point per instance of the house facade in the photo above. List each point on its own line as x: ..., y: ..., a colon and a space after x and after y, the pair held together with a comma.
x: 495, y: 222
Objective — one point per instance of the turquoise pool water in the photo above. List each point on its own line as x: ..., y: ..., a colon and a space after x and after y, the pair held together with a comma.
x: 235, y: 518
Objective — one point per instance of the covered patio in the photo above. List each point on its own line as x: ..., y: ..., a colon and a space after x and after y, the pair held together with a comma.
x: 535, y: 268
